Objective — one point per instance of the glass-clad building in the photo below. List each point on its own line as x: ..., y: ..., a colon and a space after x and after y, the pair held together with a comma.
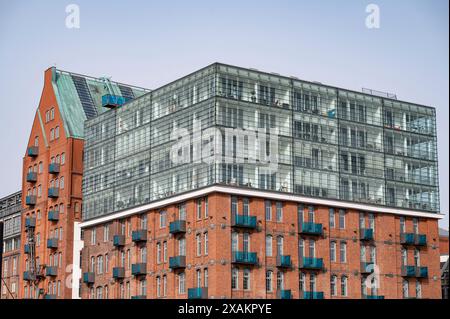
x: 242, y: 127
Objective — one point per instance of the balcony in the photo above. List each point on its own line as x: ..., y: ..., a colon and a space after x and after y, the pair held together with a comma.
x: 30, y: 222
x: 118, y: 272
x: 111, y: 101
x: 311, y: 263
x: 177, y: 262
x: 53, y: 216
x: 53, y: 168
x: 244, y: 257
x: 373, y: 297
x: 33, y: 151
x: 243, y: 221
x: 139, y: 297
x: 89, y: 277
x: 51, y: 271
x: 30, y: 200
x: 367, y: 267
x: 284, y: 261
x: 198, y: 293
x: 32, y: 177
x: 309, y: 228
x: 27, y: 248
x: 52, y: 243
x: 49, y: 296
x: 139, y: 235
x: 414, y: 271
x: 177, y: 227
x: 53, y: 192
x: 118, y: 240
x: 311, y: 295
x: 284, y: 294
x: 413, y: 239
x: 28, y: 276
x: 139, y: 269
x: 366, y: 234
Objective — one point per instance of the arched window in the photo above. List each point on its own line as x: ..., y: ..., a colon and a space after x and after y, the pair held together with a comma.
x: 405, y: 288
x: 344, y: 282
x: 269, y: 245
x: 280, y: 241
x: 269, y: 279
x: 333, y: 285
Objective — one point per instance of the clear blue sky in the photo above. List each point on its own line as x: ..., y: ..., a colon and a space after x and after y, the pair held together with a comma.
x: 149, y: 43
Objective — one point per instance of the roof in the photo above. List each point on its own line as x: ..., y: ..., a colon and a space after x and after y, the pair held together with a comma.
x: 80, y: 97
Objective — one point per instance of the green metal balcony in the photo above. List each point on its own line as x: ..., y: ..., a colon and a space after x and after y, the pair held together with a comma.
x: 31, y: 177
x: 413, y: 239
x: 367, y: 267
x: 243, y: 221
x: 177, y: 227
x: 366, y: 234
x: 49, y: 296
x: 414, y: 271
x: 89, y: 277
x: 28, y: 276
x: 198, y: 293
x: 118, y: 272
x: 244, y: 257
x: 53, y: 168
x: 27, y: 248
x: 309, y: 228
x: 373, y: 297
x: 30, y: 200
x: 53, y: 216
x: 139, y: 269
x: 33, y: 151
x: 30, y: 222
x: 311, y: 295
x: 111, y: 101
x: 139, y: 235
x: 311, y: 263
x: 118, y: 240
x: 53, y: 192
x: 51, y: 271
x: 139, y: 297
x: 52, y: 243
x: 177, y: 262
x: 284, y: 261
x: 284, y: 294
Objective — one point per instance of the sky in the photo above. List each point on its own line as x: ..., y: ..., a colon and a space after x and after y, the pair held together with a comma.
x: 150, y: 43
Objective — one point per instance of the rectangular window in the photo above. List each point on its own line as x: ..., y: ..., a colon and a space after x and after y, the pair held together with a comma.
x: 343, y: 252
x: 341, y: 218
x: 268, y: 209
x: 332, y: 218
x: 199, y: 208
x: 206, y: 207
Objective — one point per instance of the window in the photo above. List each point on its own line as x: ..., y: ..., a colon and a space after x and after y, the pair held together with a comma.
x: 56, y: 132
x: 234, y: 205
x: 143, y: 287
x: 341, y: 219
x: 198, y: 275
x: 164, y: 285
x: 402, y: 225
x: 234, y: 242
x: 363, y: 253
x: 246, y: 207
x: 246, y: 242
x: 234, y: 278
x: 92, y: 263
x: 405, y: 288
x: 61, y: 182
x: 372, y: 221
x: 269, y: 245
x: 279, y: 212
x: 162, y: 219
x: 333, y: 251
x: 206, y: 207
x: 158, y: 286
x: 343, y: 252
x: 198, y: 241
x: 312, y: 282
x: 362, y: 221
x: 106, y: 292
x: 93, y: 236
x: 165, y: 251
x: 39, y: 191
x: 373, y: 254
x: 418, y: 289
x: 100, y: 264
x: 246, y: 282
x: 122, y: 259
x: 47, y: 116
x: 311, y: 214
x: 182, y: 283
x: 41, y: 167
x: 199, y: 208
x: 36, y: 141
x: 52, y: 113
x: 302, y: 282
x: 280, y: 280
x: 279, y: 245
x: 333, y: 285
x: 416, y: 226
x: 106, y: 233
x: 182, y: 246
x: 312, y: 248
x: 158, y: 253
x: 301, y: 247
x: 205, y: 276
x: 143, y: 254
x: 143, y: 221
x: 269, y: 279
x: 106, y: 263
x: 416, y: 257
x: 344, y: 281
x: 128, y: 259
x: 63, y: 158
x: 404, y: 254
x: 52, y: 134
x: 268, y: 209
x: 205, y: 238
x: 182, y: 211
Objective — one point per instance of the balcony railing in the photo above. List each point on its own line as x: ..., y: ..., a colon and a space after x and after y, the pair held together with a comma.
x: 118, y: 240
x: 139, y: 297
x: 415, y: 271
x: 33, y: 151
x: 413, y: 239
x: 118, y: 272
x: 30, y: 222
x: 177, y: 227
x: 139, y: 235
x: 53, y: 192
x: 311, y: 295
x: 284, y: 294
x: 373, y: 297
x: 31, y: 177
x: 52, y: 243
x: 177, y: 262
x: 284, y: 261
x: 198, y: 293
x: 28, y: 276
x: 30, y: 200
x: 367, y: 267
x: 139, y: 269
x: 53, y: 216
x: 53, y: 168
x: 89, y: 277
x: 309, y: 228
x: 110, y: 100
x: 243, y: 221
x: 244, y: 257
x: 366, y: 234
x: 311, y: 263
x: 49, y: 296
x: 51, y: 271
